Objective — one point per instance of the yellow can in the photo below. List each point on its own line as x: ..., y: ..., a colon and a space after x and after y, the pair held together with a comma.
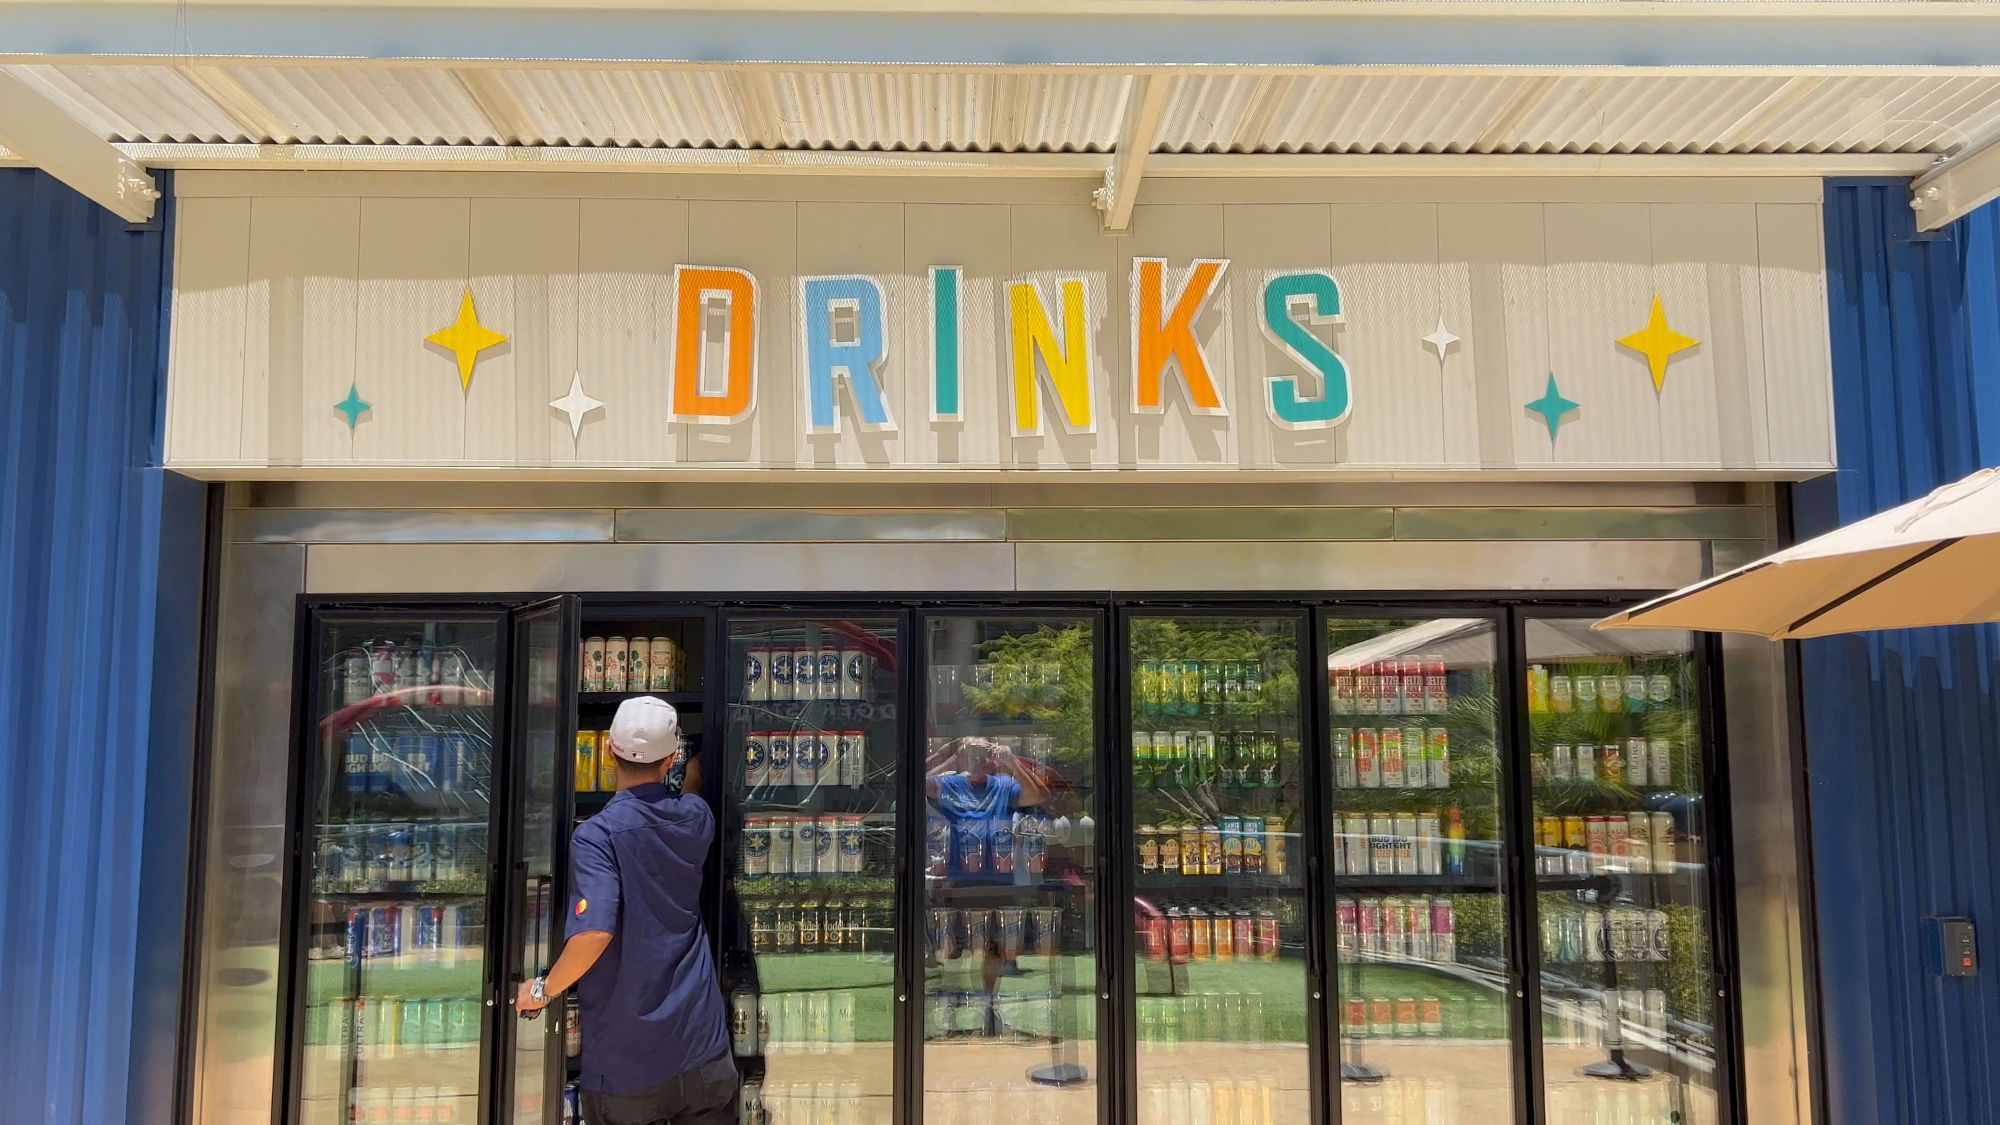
x: 586, y: 761
x: 607, y: 764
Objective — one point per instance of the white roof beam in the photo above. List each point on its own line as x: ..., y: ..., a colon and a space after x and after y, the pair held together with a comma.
x: 39, y: 132
x: 1958, y: 185
x: 1119, y: 33
x: 1143, y: 108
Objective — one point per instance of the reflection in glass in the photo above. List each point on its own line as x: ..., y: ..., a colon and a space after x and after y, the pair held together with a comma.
x: 809, y: 919
x: 1010, y: 964
x: 1221, y: 980
x: 1628, y: 1029
x: 395, y: 951
x: 1420, y: 964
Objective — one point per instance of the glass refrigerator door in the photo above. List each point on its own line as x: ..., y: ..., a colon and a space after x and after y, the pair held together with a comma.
x: 395, y: 974
x: 1010, y: 869
x: 543, y: 672
x: 1421, y: 973
x: 1219, y: 907
x: 810, y: 796
x: 1628, y: 1013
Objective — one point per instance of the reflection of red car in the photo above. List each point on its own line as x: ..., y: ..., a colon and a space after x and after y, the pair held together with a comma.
x: 450, y: 694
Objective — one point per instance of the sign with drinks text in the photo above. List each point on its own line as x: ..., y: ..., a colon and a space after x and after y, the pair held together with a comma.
x: 564, y: 334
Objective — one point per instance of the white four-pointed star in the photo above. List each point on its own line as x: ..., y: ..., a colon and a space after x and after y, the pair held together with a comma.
x: 576, y: 405
x: 1440, y: 340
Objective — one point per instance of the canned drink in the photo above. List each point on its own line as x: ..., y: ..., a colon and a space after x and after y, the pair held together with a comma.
x: 638, y: 664
x: 607, y: 763
x: 1343, y: 690
x: 1583, y: 690
x: 1169, y: 839
x: 756, y: 759
x: 1619, y: 842
x: 1415, y: 701
x: 403, y: 665
x: 855, y: 669
x: 780, y: 672
x: 1223, y: 937
x: 756, y: 845
x: 1658, y: 942
x: 1392, y: 758
x: 1355, y: 842
x: 1190, y: 837
x: 828, y: 674
x: 1381, y: 845
x: 1437, y: 692
x: 1430, y: 843
x: 1661, y: 754
x: 1638, y: 762
x: 1562, y: 764
x: 1596, y: 943
x: 617, y: 654
x: 1232, y: 845
x: 1001, y: 844
x: 1367, y: 758
x: 756, y: 674
x: 1611, y: 693
x: 781, y: 830
x: 851, y: 828
x: 1149, y: 849
x: 1638, y: 842
x: 1381, y: 1017
x: 853, y: 758
x: 1367, y: 690
x: 825, y: 860
x: 1211, y: 849
x: 779, y: 749
x: 358, y: 945
x: 586, y: 761
x: 1255, y: 850
x: 382, y: 667
x: 358, y: 762
x: 807, y: 747
x: 1355, y: 1020
x: 356, y: 684
x: 1406, y: 844
x: 937, y: 845
x: 1656, y: 1009
x: 1344, y: 776
x: 1267, y: 934
x: 969, y: 845
x: 1611, y: 763
x: 662, y: 664
x: 1662, y: 837
x: 743, y: 1021
x: 805, y: 673
x: 1437, y: 757
x: 1659, y: 690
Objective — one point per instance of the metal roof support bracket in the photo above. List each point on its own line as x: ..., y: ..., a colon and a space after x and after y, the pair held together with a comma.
x: 36, y: 130
x: 1957, y: 185
x: 1144, y: 107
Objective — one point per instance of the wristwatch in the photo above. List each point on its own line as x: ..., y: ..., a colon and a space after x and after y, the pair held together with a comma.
x: 536, y: 990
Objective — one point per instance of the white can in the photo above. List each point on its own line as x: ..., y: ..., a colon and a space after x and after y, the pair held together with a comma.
x: 757, y: 759
x: 778, y: 750
x: 756, y: 675
x: 805, y: 673
x: 1638, y: 762
x: 826, y: 845
x: 854, y: 758
x: 617, y: 654
x: 782, y: 829
x: 1562, y: 764
x: 807, y: 749
x: 1658, y: 944
x: 638, y: 663
x: 592, y: 674
x: 1663, y: 762
x: 855, y: 670
x: 662, y: 664
x: 756, y: 845
x: 829, y: 673
x: 1354, y: 835
x: 779, y: 671
x: 805, y: 846
x: 848, y: 844
x: 1430, y: 844
x: 1406, y: 845
x: 1663, y: 842
x: 1638, y: 842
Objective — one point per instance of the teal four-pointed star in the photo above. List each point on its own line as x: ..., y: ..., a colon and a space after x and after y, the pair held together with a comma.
x: 353, y: 407
x: 1552, y: 406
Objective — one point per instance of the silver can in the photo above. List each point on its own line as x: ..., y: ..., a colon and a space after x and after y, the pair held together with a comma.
x: 1662, y: 836
x: 756, y: 675
x: 805, y: 845
x: 1638, y: 842
x: 756, y: 845
x: 847, y: 844
x: 854, y: 758
x: 661, y: 664
x: 855, y: 669
x: 805, y: 673
x: 1659, y: 945
x: 807, y: 749
x: 1638, y: 762
x: 617, y: 654
x: 1663, y: 762
x: 1562, y: 764
x: 743, y: 1023
x: 1596, y: 942
x: 1344, y: 776
x: 781, y: 830
x: 826, y: 845
x: 592, y: 676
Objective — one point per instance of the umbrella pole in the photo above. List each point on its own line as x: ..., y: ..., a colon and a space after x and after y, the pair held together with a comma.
x: 1616, y: 1066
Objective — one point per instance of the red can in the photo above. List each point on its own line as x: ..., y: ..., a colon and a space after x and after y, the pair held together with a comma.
x: 1245, y: 930
x: 1267, y: 937
x: 1356, y: 1017
x: 1180, y: 936
x: 1156, y: 937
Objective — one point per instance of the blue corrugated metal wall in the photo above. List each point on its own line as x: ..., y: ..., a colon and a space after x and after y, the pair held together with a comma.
x: 99, y: 584
x: 1902, y: 731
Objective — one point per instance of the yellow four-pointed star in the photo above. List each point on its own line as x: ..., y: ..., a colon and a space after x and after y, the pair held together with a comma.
x: 1658, y: 343
x: 466, y: 339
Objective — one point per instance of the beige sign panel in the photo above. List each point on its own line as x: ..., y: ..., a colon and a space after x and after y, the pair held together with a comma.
x: 349, y: 324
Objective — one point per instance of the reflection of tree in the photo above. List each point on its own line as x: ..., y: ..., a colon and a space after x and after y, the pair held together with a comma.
x: 1276, y: 649
x: 1046, y: 675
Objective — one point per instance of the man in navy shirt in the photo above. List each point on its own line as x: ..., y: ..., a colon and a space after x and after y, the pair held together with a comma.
x: 655, y: 1037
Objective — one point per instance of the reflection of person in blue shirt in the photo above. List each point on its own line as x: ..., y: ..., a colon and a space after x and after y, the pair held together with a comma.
x: 975, y: 786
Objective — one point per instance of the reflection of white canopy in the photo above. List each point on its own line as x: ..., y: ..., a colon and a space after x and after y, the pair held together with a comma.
x: 1468, y: 642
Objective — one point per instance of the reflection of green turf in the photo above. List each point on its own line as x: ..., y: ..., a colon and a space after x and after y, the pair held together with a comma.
x: 331, y: 980
x: 1470, y: 1011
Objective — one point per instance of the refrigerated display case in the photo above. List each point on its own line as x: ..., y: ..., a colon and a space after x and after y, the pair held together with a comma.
x: 1218, y: 868
x: 1619, y: 780
x: 1009, y: 876
x: 1424, y: 986
x: 813, y: 762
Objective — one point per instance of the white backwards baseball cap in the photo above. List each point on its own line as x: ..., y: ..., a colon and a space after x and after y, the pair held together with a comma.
x: 646, y: 730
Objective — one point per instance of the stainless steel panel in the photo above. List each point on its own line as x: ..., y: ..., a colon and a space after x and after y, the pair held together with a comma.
x: 423, y: 525
x: 1764, y: 823
x: 661, y: 567
x: 243, y: 888
x: 1515, y: 565
x: 741, y: 525
x: 1198, y: 524
x: 1580, y: 523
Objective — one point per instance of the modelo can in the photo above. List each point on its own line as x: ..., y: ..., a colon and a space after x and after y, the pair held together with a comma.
x: 780, y: 674
x: 805, y: 673
x: 850, y: 844
x: 853, y: 758
x: 743, y: 1023
x: 829, y: 673
x: 756, y: 845
x: 757, y: 759
x: 854, y: 670
x: 779, y: 751
x: 756, y: 674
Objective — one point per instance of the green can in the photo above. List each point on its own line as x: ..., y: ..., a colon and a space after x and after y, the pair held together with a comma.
x: 1142, y: 758
x: 1190, y: 687
x: 411, y: 1034
x: 461, y: 1022
x: 434, y: 1023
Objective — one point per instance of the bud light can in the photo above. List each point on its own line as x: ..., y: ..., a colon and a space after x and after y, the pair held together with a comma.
x: 1002, y: 837
x: 969, y: 844
x: 781, y: 673
x: 357, y: 762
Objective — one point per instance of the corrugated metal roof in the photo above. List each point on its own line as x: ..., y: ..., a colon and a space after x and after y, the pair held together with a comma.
x: 1027, y: 110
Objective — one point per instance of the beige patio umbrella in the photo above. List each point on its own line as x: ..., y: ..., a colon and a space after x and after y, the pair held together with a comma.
x: 1934, y: 561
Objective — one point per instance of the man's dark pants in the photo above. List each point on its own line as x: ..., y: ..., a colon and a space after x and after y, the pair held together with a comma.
x: 704, y: 1095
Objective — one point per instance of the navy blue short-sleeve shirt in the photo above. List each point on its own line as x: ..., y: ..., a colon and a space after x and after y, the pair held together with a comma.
x: 651, y: 1006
